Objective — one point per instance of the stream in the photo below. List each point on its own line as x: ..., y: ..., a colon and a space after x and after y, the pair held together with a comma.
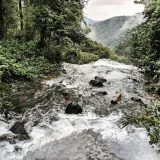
x: 94, y: 134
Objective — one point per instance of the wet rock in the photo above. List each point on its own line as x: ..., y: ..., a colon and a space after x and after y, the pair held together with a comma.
x: 66, y: 93
x: 4, y: 137
x: 9, y: 138
x: 73, y: 108
x: 136, y: 99
x: 18, y: 109
x: 133, y: 79
x: 100, y: 79
x: 64, y: 71
x: 108, y: 71
x: 12, y: 138
x: 102, y: 93
x: 17, y: 148
x: 87, y: 145
x: 4, y: 112
x: 139, y: 100
x: 96, y: 83
x: 18, y: 128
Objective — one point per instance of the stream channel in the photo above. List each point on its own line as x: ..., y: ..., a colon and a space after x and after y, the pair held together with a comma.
x: 46, y: 131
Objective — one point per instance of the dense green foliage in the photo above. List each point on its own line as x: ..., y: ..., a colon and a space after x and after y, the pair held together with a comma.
x: 141, y: 47
x: 37, y: 36
x: 19, y: 60
x: 142, y: 44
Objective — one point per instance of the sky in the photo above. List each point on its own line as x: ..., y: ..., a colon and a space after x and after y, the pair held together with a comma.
x: 103, y: 9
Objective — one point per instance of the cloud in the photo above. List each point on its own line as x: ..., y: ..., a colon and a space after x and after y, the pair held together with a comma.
x: 104, y: 9
x: 108, y: 2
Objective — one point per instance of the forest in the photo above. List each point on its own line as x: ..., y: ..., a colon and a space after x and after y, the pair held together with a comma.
x: 37, y: 36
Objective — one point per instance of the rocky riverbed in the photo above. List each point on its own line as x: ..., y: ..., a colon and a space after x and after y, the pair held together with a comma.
x: 75, y: 116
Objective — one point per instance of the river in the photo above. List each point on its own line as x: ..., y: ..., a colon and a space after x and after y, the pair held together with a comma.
x: 96, y: 133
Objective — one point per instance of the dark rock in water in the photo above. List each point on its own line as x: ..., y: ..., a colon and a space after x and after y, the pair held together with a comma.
x: 113, y: 102
x: 96, y: 83
x: 64, y: 71
x: 66, y: 94
x: 18, y: 128
x: 13, y: 138
x: 136, y: 99
x: 139, y: 100
x: 17, y: 148
x: 100, y: 79
x: 18, y: 109
x: 73, y: 108
x: 6, y: 137
x: 102, y: 93
x: 4, y: 111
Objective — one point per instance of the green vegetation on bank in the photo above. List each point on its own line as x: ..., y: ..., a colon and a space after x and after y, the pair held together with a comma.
x: 141, y: 47
x: 148, y: 118
x: 37, y: 36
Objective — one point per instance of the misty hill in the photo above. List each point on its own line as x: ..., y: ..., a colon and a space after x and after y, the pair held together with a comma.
x: 89, y: 21
x: 110, y: 31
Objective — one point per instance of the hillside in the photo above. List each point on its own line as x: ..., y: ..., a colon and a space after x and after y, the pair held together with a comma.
x: 89, y: 21
x: 109, y: 32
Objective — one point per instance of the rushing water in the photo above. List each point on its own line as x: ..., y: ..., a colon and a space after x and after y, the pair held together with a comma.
x: 59, y: 136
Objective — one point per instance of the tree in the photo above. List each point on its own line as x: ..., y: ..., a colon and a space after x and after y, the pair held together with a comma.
x: 8, y: 18
x: 20, y: 14
x: 143, y: 43
x: 1, y: 20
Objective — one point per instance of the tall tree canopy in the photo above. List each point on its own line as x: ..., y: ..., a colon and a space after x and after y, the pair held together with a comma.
x: 143, y: 41
x: 34, y: 32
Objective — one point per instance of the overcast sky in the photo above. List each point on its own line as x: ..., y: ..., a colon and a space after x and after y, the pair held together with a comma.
x: 104, y: 9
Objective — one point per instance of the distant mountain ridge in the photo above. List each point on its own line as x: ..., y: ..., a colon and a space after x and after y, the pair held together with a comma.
x: 110, y: 31
x: 90, y: 21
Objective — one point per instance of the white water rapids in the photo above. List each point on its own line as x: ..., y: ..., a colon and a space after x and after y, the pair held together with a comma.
x: 129, y: 143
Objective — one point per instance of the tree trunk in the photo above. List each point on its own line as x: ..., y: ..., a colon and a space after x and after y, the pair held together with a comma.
x: 21, y: 14
x: 1, y: 20
x: 43, y: 35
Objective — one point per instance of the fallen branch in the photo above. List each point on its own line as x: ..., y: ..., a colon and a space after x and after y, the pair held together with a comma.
x: 116, y: 99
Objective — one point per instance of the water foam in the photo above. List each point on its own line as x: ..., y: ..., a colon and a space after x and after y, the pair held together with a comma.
x: 128, y: 143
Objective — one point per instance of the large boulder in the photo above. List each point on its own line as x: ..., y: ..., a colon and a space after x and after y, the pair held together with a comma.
x: 18, y: 128
x: 73, y: 108
x: 96, y: 83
